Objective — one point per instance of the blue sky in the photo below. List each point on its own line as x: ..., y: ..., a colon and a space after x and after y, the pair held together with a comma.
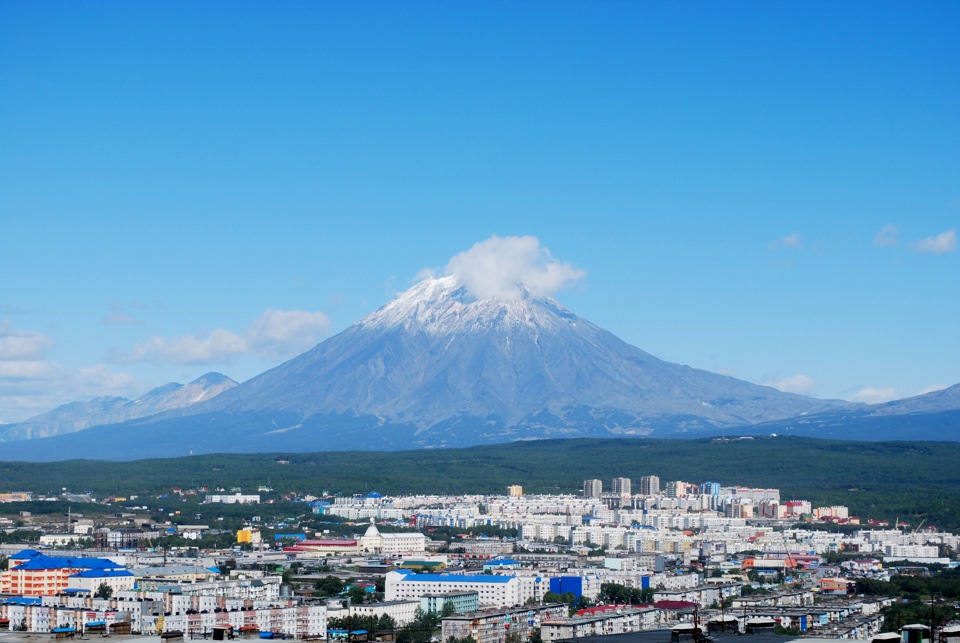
x: 768, y: 190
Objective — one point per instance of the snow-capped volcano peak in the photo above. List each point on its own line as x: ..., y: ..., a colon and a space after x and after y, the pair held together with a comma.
x: 442, y: 306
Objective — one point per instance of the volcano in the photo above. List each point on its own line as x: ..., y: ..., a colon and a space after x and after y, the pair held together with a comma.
x: 438, y: 367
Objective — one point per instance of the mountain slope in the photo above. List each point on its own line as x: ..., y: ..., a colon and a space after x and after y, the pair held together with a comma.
x: 435, y: 357
x: 932, y: 416
x: 77, y: 416
x: 436, y: 367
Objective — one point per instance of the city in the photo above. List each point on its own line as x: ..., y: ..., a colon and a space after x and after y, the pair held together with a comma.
x: 618, y: 558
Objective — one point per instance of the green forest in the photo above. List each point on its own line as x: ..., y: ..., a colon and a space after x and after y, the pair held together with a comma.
x: 914, y: 481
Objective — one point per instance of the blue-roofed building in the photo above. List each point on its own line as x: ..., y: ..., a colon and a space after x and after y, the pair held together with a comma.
x: 491, y: 590
x: 32, y: 573
x: 118, y: 580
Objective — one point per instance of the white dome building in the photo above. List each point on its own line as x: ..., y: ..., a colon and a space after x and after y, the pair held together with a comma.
x: 373, y: 542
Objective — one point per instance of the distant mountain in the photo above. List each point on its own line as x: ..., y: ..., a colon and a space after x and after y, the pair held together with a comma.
x: 932, y: 416
x: 947, y: 399
x: 77, y: 416
x: 436, y: 367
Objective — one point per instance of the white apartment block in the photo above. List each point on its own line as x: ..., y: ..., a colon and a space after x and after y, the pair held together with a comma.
x: 908, y: 552
x: 402, y: 612
x: 621, y: 620
x: 237, y: 498
x: 493, y: 590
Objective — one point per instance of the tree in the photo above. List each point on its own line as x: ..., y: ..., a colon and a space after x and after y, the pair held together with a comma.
x: 357, y: 594
x: 420, y: 630
x: 104, y: 591
x: 328, y: 586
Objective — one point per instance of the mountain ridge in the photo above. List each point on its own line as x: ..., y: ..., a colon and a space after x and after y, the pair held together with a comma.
x: 79, y: 416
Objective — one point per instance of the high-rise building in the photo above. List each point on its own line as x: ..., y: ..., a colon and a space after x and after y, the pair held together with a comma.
x: 515, y: 490
x: 650, y: 485
x: 621, y: 486
x: 592, y: 488
x: 675, y: 489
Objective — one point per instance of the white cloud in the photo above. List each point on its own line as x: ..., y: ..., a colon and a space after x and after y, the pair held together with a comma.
x: 789, y: 241
x: 279, y: 333
x: 875, y: 395
x: 800, y: 384
x: 55, y: 385
x: 502, y: 267
x: 425, y: 272
x: 933, y: 388
x: 34, y: 369
x: 22, y: 344
x: 276, y: 334
x: 940, y: 244
x: 31, y: 384
x: 887, y: 237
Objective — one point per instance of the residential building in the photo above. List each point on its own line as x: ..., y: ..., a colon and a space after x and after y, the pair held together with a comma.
x: 402, y: 612
x: 621, y: 486
x: 592, y: 488
x: 232, y: 499
x: 650, y: 486
x: 492, y: 590
x: 601, y: 621
x: 41, y: 575
x: 493, y: 626
x: 461, y: 602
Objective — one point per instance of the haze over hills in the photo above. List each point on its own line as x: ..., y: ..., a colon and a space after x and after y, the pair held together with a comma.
x: 438, y: 367
x: 77, y: 416
x: 931, y: 416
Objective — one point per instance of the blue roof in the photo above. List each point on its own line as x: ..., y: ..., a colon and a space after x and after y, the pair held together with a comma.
x: 26, y: 553
x: 23, y: 600
x: 102, y: 573
x: 501, y: 561
x: 42, y: 562
x: 458, y: 578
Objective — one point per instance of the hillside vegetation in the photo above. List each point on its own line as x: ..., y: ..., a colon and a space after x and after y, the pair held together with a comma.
x: 912, y: 481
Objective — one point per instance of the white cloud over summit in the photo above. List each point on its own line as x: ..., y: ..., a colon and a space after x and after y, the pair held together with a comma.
x: 275, y: 335
x: 875, y: 394
x: 801, y: 384
x: 502, y: 267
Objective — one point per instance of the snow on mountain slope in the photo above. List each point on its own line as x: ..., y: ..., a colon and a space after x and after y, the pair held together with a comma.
x: 526, y: 367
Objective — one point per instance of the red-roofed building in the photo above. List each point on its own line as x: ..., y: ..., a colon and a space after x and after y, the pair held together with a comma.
x: 324, y: 547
